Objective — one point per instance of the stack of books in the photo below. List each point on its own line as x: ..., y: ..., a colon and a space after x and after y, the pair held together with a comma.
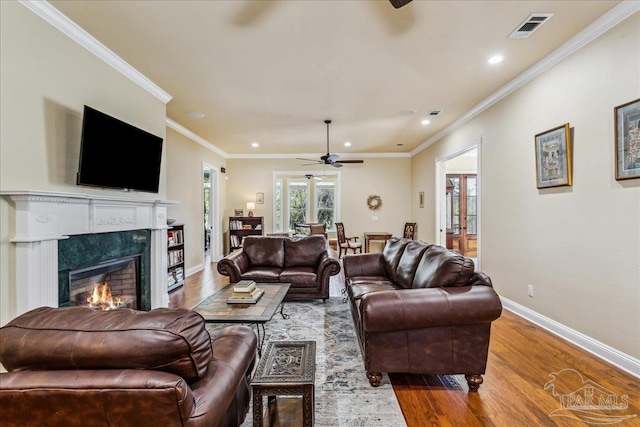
x: 245, y: 292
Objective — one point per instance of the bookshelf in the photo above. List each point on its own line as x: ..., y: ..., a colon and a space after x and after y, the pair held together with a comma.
x: 175, y: 256
x: 241, y: 226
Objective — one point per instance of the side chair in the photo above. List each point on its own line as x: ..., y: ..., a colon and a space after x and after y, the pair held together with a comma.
x: 346, y: 243
x: 409, y: 230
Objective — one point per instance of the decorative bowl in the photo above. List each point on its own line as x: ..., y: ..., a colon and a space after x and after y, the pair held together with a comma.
x: 170, y: 221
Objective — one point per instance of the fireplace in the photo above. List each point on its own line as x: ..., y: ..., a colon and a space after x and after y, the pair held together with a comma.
x: 53, y: 233
x: 120, y: 260
x: 109, y: 285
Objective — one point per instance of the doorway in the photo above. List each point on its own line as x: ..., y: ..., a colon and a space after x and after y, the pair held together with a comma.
x: 458, y: 183
x: 211, y: 243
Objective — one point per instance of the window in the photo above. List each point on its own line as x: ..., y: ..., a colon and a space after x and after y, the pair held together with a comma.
x: 298, y: 202
x: 299, y: 199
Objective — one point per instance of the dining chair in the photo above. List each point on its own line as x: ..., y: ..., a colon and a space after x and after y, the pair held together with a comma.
x: 409, y: 230
x: 346, y: 243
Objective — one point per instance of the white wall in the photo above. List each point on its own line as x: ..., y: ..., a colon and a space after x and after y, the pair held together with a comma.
x: 389, y: 178
x: 184, y: 183
x: 45, y: 81
x: 578, y: 246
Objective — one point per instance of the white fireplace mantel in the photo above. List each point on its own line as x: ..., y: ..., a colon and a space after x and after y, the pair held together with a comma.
x: 43, y: 217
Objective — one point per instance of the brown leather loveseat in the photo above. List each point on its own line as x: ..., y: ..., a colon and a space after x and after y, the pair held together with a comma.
x: 420, y: 309
x: 78, y: 367
x: 305, y: 262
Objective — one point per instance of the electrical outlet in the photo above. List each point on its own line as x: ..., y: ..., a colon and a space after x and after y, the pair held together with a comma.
x: 530, y: 290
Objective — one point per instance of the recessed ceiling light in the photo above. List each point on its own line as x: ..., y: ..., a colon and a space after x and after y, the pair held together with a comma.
x: 425, y: 122
x: 407, y: 112
x: 347, y: 144
x: 255, y: 144
x: 195, y: 114
x: 495, y: 59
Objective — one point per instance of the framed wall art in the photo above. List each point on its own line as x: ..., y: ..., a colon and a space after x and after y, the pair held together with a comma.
x: 553, y: 157
x: 259, y: 198
x: 627, y: 139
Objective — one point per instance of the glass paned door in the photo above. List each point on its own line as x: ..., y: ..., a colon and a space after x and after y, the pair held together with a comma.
x: 462, y: 224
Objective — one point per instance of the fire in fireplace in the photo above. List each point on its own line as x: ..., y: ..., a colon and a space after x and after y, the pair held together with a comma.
x: 108, y: 285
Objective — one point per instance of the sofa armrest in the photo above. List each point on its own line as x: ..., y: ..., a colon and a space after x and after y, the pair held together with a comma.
x: 429, y: 307
x: 117, y: 396
x: 369, y: 264
x: 234, y: 265
x: 327, y: 267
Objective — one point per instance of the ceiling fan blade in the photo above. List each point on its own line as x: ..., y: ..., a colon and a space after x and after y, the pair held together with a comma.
x: 336, y: 165
x: 332, y: 158
x: 308, y: 160
x: 399, y: 3
x: 312, y: 164
x: 350, y: 161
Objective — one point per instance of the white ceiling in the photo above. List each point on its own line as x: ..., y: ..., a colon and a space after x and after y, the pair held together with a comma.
x: 272, y: 71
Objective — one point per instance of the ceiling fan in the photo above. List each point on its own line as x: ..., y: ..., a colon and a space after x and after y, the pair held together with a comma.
x: 399, y: 3
x: 330, y: 159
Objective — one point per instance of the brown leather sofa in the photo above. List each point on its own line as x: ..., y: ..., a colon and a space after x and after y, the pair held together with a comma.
x: 305, y: 262
x: 420, y: 309
x: 78, y: 367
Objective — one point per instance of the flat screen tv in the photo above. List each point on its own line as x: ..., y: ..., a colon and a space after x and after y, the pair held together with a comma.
x: 115, y: 154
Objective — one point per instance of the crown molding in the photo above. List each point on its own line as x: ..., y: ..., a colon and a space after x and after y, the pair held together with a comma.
x: 594, y: 30
x: 54, y: 17
x: 344, y: 156
x: 196, y: 138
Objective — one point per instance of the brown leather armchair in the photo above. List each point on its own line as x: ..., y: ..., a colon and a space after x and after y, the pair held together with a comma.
x: 420, y: 309
x: 77, y: 367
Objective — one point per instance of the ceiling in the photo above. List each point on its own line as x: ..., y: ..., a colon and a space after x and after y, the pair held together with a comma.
x: 271, y: 72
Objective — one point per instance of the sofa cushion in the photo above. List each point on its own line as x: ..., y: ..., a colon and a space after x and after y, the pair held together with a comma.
x: 170, y: 340
x: 304, y: 252
x: 304, y: 277
x: 391, y: 255
x: 440, y: 267
x: 409, y: 263
x: 357, y: 290
x: 264, y: 251
x: 262, y: 274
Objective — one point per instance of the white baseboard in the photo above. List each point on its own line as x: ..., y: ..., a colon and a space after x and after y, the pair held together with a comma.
x: 609, y: 354
x: 194, y: 270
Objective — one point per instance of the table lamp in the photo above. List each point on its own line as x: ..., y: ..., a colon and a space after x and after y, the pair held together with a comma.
x: 250, y: 207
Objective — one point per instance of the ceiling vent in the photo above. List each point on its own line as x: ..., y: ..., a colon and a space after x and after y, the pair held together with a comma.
x: 531, y: 24
x: 434, y: 112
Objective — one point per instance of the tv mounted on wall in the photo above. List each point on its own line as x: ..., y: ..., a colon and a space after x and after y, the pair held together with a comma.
x: 115, y: 154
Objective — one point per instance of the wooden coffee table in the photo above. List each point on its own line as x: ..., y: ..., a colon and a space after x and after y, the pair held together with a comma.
x: 215, y: 309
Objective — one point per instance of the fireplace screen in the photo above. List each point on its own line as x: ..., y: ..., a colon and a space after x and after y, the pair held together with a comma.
x: 108, y: 285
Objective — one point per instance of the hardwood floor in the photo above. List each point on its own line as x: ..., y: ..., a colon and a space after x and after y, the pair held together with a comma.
x: 521, y: 361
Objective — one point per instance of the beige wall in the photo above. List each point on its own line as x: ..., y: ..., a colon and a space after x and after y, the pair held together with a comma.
x: 46, y: 79
x: 185, y: 159
x: 578, y: 246
x: 389, y: 178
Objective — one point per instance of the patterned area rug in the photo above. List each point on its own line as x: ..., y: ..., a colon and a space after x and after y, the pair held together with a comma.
x: 343, y: 394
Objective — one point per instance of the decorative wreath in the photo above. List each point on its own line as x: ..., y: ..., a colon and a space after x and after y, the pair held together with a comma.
x: 374, y: 202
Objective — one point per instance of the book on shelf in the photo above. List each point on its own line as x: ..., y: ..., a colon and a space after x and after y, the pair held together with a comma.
x: 246, y: 227
x: 254, y: 298
x: 174, y: 237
